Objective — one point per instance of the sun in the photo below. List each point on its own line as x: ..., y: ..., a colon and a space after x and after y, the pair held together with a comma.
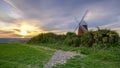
x: 23, y: 32
x: 26, y: 29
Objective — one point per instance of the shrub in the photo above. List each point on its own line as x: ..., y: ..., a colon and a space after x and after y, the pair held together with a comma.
x: 72, y: 39
x: 68, y: 41
x: 44, y: 38
x: 101, y: 36
x: 76, y: 41
x: 107, y: 36
x: 70, y: 34
x: 87, y: 38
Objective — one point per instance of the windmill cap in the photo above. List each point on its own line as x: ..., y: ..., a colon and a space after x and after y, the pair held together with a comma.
x: 83, y: 23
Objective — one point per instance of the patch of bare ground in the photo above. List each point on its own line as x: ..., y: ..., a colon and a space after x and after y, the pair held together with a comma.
x: 61, y: 57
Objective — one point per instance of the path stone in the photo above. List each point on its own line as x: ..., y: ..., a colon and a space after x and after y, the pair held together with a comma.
x: 60, y: 57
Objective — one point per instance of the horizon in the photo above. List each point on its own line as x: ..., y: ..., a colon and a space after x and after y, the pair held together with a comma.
x: 28, y: 18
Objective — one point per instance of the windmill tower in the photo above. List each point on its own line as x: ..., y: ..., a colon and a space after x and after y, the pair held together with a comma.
x: 82, y: 26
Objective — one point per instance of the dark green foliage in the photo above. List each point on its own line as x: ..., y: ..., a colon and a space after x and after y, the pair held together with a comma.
x: 68, y: 41
x: 71, y: 34
x: 90, y: 38
x: 60, y: 38
x: 72, y: 39
x: 47, y: 38
x: 76, y: 41
x: 107, y: 36
x: 101, y: 36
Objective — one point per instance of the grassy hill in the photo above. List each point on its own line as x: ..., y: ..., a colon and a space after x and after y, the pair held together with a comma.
x: 22, y: 56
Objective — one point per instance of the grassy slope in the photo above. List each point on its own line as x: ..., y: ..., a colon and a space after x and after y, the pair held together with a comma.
x: 96, y: 58
x: 21, y: 56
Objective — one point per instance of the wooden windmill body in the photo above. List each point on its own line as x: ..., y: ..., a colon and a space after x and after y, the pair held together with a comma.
x: 82, y: 29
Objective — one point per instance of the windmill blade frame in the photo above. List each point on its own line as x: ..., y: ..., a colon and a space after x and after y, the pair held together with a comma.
x: 83, y: 16
x: 77, y: 25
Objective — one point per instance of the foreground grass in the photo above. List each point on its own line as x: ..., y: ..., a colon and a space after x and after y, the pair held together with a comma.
x: 97, y: 57
x: 77, y: 62
x: 30, y: 56
x: 21, y: 56
x: 57, y: 46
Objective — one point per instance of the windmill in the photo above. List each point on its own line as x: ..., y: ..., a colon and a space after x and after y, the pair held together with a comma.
x: 82, y: 25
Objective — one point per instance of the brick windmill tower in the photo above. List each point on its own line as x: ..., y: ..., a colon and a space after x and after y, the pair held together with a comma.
x: 82, y: 26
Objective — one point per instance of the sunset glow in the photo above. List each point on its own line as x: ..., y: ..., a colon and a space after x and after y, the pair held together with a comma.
x: 26, y: 29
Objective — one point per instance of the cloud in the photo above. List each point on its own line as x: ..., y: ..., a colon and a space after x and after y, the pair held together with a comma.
x: 16, y: 35
x: 116, y: 29
x: 18, y: 30
x: 59, y: 15
x: 111, y: 25
x: 14, y: 11
x: 6, y: 18
x: 5, y: 32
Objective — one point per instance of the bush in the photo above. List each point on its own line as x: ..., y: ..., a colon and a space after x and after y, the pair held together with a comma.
x: 68, y: 41
x: 76, y: 41
x: 101, y: 36
x: 70, y: 34
x: 87, y: 38
x: 107, y: 36
x: 72, y: 39
x: 47, y: 38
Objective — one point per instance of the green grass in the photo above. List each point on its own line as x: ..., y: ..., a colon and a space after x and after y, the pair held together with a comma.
x: 30, y: 56
x: 77, y: 62
x: 57, y: 46
x: 21, y: 56
x: 97, y: 57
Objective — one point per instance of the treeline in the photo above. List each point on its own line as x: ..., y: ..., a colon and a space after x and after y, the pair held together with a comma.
x: 90, y: 38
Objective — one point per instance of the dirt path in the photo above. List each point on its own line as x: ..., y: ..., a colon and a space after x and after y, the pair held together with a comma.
x: 60, y: 57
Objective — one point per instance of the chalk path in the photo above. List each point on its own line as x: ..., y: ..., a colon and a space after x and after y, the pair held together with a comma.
x: 60, y: 57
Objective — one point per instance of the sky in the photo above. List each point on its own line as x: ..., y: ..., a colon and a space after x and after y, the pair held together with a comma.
x: 27, y: 18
